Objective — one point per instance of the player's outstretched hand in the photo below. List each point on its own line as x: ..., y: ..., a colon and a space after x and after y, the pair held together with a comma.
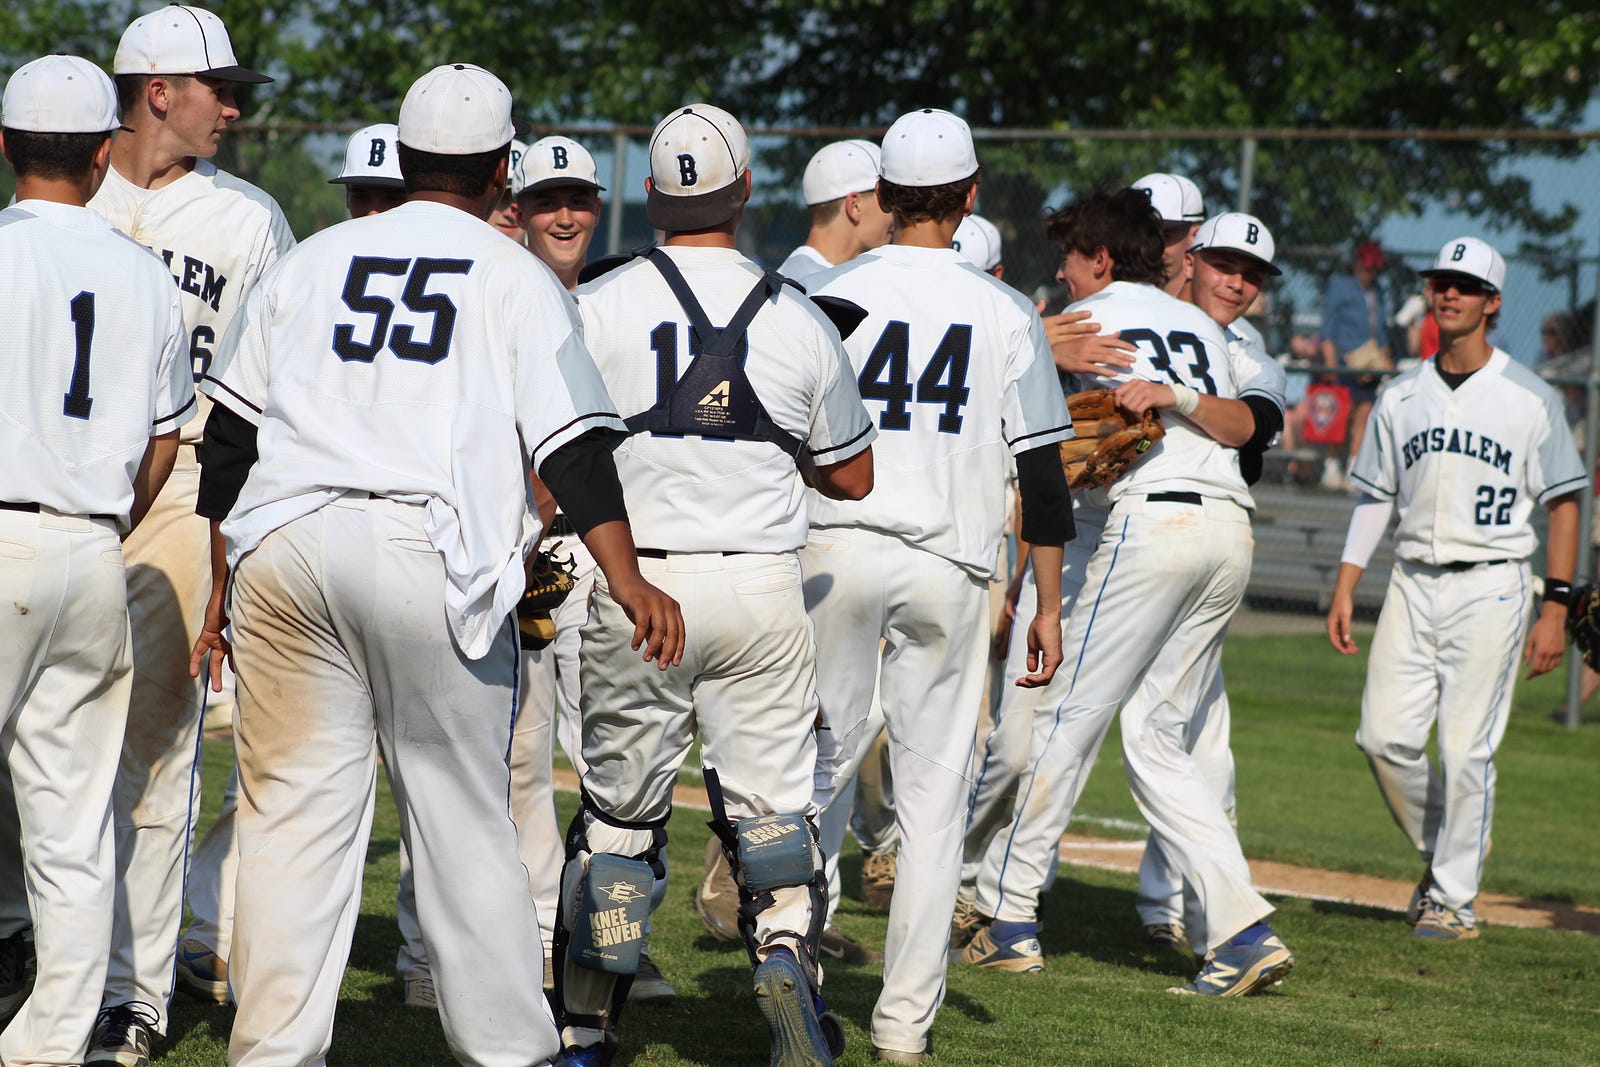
x: 211, y: 647
x: 1339, y: 613
x: 1080, y: 348
x: 657, y: 620
x: 1139, y: 396
x: 1547, y: 642
x: 1044, y: 650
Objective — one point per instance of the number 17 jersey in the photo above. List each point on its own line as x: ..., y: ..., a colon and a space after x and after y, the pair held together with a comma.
x: 954, y: 367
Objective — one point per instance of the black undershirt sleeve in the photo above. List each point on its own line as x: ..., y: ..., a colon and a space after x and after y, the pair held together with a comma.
x: 1046, y: 500
x: 226, y: 454
x: 582, y: 476
x: 1269, y: 421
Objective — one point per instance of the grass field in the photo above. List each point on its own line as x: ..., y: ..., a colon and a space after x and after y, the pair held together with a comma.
x: 1362, y: 992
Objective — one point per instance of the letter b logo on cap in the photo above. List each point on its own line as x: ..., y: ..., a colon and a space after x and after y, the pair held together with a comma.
x: 1459, y: 254
x: 1251, y: 233
x: 375, y: 155
x: 558, y: 157
x: 687, y: 175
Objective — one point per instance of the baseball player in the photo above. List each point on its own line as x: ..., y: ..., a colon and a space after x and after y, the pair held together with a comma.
x: 1173, y: 553
x: 99, y: 386
x: 1228, y: 264
x: 910, y: 569
x: 371, y: 172
x: 1462, y: 446
x: 175, y: 72
x: 845, y: 217
x: 979, y: 244
x: 371, y: 590
x: 1177, y: 200
x: 724, y: 421
x: 504, y: 217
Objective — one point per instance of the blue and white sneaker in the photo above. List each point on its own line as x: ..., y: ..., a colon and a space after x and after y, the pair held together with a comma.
x: 1247, y: 962
x: 793, y: 1014
x: 1441, y: 923
x: 599, y: 1054
x: 201, y: 972
x: 1004, y: 947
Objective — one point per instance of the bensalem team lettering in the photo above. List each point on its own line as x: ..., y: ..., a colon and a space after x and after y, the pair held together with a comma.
x: 210, y: 290
x: 1464, y: 442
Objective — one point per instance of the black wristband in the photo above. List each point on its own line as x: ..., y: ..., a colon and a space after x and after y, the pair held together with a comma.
x: 1558, y: 592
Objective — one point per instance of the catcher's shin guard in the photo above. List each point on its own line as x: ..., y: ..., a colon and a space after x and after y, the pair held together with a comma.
x: 601, y: 921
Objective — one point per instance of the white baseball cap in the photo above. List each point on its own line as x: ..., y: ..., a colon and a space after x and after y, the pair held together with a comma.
x: 1175, y: 198
x: 978, y: 242
x: 179, y: 39
x: 1234, y: 231
x: 839, y: 169
x: 553, y: 162
x: 928, y: 147
x: 59, y: 94
x: 370, y: 158
x: 1471, y: 258
x: 456, y: 110
x: 698, y: 158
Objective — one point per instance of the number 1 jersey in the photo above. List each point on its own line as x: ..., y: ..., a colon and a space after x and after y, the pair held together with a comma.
x: 955, y: 370
x: 416, y: 355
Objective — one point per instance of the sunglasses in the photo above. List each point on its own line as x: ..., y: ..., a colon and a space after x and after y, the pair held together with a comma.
x: 1461, y: 284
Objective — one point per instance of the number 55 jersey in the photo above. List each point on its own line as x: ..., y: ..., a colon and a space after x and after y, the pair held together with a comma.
x: 416, y: 355
x: 955, y: 368
x: 1465, y: 466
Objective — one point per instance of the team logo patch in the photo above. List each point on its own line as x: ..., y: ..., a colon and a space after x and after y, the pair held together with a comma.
x: 718, y: 397
x: 621, y: 892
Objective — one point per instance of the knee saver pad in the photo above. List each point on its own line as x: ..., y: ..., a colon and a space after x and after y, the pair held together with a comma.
x: 608, y: 902
x: 776, y: 852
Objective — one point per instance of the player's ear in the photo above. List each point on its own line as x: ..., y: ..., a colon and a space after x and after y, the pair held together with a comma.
x: 1102, y: 261
x: 1492, y: 305
x: 971, y: 200
x: 648, y: 185
x: 4, y: 151
x: 852, y: 207
x: 747, y: 186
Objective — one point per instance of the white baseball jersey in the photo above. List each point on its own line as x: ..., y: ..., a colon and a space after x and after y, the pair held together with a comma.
x: 947, y: 412
x: 1176, y: 342
x: 217, y: 233
x: 690, y: 494
x: 1255, y: 373
x: 803, y: 263
x: 1465, y: 466
x: 412, y: 355
x: 95, y: 360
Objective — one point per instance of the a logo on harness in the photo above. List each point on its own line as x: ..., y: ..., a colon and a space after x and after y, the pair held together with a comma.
x: 718, y: 397
x: 607, y: 928
x: 761, y: 835
x: 621, y: 892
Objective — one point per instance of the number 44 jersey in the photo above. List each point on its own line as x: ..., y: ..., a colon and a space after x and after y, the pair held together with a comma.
x: 1178, y: 343
x: 1465, y: 466
x: 416, y: 355
x: 94, y: 355
x: 955, y: 370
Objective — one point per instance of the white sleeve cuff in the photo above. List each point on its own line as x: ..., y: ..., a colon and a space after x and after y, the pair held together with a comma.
x: 1368, y: 522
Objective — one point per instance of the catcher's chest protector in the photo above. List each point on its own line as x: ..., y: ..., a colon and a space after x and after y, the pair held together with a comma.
x: 714, y: 398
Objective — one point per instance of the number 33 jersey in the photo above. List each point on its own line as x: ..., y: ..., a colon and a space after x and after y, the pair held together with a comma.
x: 1466, y: 465
x: 1176, y: 343
x: 416, y: 355
x: 94, y: 355
x: 955, y: 370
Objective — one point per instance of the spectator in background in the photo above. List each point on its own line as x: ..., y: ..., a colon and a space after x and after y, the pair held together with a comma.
x: 1355, y: 335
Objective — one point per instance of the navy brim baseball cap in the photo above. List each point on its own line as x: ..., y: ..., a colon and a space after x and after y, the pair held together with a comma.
x: 243, y: 75
x: 679, y: 214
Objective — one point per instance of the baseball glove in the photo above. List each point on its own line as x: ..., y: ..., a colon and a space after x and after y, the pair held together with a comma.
x: 1583, y: 623
x: 1106, y: 443
x: 549, y: 581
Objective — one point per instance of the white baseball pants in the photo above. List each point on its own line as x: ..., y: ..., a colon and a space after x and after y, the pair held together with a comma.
x: 158, y: 783
x: 1157, y: 596
x: 65, y: 664
x: 340, y: 638
x: 863, y: 587
x: 1446, y: 650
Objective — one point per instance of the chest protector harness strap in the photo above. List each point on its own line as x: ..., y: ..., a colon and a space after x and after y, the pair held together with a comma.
x: 714, y: 398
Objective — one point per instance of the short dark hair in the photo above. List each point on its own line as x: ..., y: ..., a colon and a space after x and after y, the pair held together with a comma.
x: 131, y: 87
x: 467, y: 176
x: 1123, y: 222
x: 827, y: 211
x: 926, y: 203
x: 60, y: 156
